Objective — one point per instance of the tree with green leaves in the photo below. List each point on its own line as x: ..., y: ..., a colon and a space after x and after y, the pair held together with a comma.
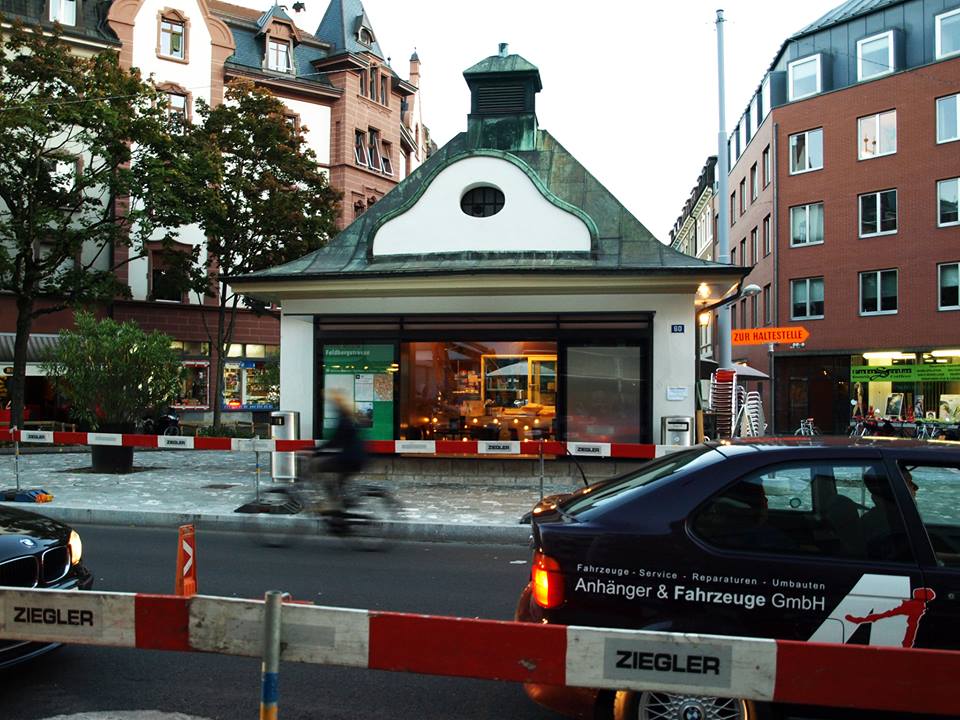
x: 79, y: 137
x: 262, y: 200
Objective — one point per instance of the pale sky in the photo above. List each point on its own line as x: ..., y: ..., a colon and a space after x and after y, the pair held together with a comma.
x: 629, y: 87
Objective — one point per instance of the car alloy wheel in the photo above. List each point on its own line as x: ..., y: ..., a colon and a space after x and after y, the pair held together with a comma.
x: 650, y: 705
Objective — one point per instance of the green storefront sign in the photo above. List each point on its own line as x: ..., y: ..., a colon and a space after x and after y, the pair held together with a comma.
x: 928, y: 372
x: 363, y: 375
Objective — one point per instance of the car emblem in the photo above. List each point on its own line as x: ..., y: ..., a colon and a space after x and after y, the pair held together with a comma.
x: 28, y: 542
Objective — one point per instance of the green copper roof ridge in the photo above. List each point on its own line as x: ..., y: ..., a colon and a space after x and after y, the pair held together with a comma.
x: 466, y: 154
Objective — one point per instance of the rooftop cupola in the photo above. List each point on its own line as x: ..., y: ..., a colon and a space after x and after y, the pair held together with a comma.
x: 503, y: 90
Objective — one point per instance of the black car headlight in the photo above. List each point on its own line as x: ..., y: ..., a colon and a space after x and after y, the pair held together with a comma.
x: 76, y: 547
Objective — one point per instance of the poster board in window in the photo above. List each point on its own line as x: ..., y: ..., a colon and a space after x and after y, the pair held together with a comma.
x: 894, y: 405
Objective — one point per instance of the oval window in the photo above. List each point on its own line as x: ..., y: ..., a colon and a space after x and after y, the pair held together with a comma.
x: 482, y: 201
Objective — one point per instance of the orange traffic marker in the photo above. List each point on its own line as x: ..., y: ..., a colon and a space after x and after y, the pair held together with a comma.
x: 186, y: 581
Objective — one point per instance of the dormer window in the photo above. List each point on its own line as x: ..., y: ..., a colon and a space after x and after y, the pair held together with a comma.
x: 278, y: 56
x: 365, y: 37
x: 805, y: 78
x: 875, y: 56
x: 63, y: 12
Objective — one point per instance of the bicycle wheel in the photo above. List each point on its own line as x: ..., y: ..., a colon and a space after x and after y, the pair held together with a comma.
x: 275, y: 519
x: 372, y: 519
x: 171, y: 430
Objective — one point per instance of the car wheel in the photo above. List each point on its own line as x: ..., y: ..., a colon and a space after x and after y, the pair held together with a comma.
x: 654, y: 705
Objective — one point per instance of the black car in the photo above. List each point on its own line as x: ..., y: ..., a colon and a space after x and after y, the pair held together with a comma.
x: 802, y: 539
x: 37, y: 552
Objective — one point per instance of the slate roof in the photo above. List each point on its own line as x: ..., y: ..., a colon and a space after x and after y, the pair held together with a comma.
x: 91, y: 23
x: 621, y: 244
x: 339, y: 28
x: 845, y: 12
x: 246, y: 24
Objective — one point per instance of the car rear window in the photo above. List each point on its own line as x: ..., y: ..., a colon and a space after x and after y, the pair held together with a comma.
x: 597, y: 496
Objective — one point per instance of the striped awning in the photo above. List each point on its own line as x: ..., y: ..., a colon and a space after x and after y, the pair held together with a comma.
x: 38, y: 346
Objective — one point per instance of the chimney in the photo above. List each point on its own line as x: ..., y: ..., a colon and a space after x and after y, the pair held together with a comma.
x: 503, y: 50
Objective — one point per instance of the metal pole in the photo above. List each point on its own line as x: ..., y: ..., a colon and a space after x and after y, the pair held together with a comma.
x: 773, y: 390
x: 723, y: 225
x: 270, y: 669
x: 541, y: 469
x: 16, y: 455
x: 257, y: 453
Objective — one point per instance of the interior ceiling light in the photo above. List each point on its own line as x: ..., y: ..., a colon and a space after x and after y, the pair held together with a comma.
x: 889, y: 355
x: 946, y: 353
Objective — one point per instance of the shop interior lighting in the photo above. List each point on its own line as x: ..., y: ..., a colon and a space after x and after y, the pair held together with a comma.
x: 889, y: 355
x: 945, y: 353
x: 704, y: 319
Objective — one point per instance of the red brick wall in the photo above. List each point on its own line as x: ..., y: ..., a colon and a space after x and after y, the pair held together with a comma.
x: 917, y: 246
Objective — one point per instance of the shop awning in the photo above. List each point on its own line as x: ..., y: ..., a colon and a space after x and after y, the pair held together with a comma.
x: 749, y: 373
x: 38, y: 347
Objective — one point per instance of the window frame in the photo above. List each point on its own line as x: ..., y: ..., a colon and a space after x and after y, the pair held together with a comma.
x: 743, y: 195
x: 877, y: 194
x: 938, y: 34
x: 956, y: 113
x: 272, y: 43
x: 754, y: 244
x: 956, y: 182
x: 876, y: 126
x: 888, y: 34
x: 940, y: 306
x: 373, y: 149
x: 754, y: 183
x: 767, y: 314
x: 767, y: 245
x: 51, y: 4
x: 360, y: 147
x: 818, y: 60
x: 766, y: 166
x: 878, y: 274
x: 173, y: 17
x: 386, y: 163
x: 806, y: 208
x: 807, y: 281
x: 806, y: 135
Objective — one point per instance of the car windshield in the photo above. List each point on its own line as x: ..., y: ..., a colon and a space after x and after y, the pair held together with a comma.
x: 597, y: 495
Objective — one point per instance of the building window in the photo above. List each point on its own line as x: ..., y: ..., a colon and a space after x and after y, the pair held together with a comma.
x: 804, y: 77
x: 766, y: 166
x: 482, y: 201
x: 363, y: 82
x: 365, y: 37
x: 733, y: 316
x: 766, y: 236
x: 743, y: 196
x: 754, y: 114
x: 806, y: 224
x: 173, y: 38
x: 743, y: 314
x: 878, y: 292
x: 742, y: 136
x: 744, y: 260
x: 373, y: 82
x: 194, y: 392
x: 767, y: 317
x: 877, y: 135
x: 63, y: 12
x: 949, y: 286
x: 733, y: 207
x: 754, y: 183
x: 754, y: 312
x: 360, y: 147
x: 948, y: 33
x: 875, y: 56
x: 806, y: 151
x: 733, y: 256
x: 807, y: 298
x: 948, y: 129
x: 162, y: 285
x: 384, y: 95
x: 178, y: 106
x: 753, y: 245
x: 947, y: 196
x: 878, y: 213
x: 278, y: 56
x: 385, y: 158
x: 373, y: 149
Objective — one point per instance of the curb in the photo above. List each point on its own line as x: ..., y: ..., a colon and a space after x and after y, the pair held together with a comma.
x: 417, y: 531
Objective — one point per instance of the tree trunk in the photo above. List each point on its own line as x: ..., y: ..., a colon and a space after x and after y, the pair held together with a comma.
x: 221, y: 362
x: 18, y: 381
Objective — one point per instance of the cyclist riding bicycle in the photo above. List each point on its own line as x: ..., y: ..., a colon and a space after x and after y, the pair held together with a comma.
x: 350, y: 458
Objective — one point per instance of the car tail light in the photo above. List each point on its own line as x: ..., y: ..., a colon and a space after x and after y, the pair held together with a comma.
x: 547, y: 581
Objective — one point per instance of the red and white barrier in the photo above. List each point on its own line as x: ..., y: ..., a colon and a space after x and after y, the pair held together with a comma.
x: 636, y: 451
x: 893, y: 679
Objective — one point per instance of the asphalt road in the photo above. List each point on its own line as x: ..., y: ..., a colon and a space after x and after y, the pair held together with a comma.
x: 448, y: 579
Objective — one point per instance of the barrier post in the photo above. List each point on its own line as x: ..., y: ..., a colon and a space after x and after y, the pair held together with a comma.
x: 270, y: 668
x: 541, y: 468
x: 258, y: 476
x: 186, y: 581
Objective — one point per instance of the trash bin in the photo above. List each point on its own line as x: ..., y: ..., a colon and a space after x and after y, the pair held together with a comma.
x: 677, y: 430
x: 284, y: 425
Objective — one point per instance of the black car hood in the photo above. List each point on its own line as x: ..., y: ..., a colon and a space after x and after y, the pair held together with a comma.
x: 15, y: 523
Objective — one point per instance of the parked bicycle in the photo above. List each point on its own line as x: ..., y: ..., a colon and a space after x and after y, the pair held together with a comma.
x: 863, y: 427
x: 366, y: 518
x: 808, y: 428
x: 165, y: 423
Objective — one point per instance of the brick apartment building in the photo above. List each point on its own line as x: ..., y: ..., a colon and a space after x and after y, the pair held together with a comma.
x: 847, y: 158
x: 364, y: 125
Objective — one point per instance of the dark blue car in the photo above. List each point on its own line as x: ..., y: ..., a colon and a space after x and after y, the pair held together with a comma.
x: 801, y: 539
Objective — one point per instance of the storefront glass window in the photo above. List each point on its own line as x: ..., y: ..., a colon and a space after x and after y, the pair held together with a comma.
x: 232, y: 396
x: 363, y: 376
x: 194, y: 387
x: 251, y: 385
x: 604, y: 394
x: 479, y: 390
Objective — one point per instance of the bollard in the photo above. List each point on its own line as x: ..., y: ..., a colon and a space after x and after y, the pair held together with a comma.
x: 270, y: 668
x: 541, y: 468
x: 186, y: 580
x: 258, y: 476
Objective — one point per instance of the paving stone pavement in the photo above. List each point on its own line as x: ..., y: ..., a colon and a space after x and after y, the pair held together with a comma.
x: 206, y: 487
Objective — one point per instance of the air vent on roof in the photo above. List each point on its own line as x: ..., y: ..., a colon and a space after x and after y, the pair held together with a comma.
x: 500, y: 99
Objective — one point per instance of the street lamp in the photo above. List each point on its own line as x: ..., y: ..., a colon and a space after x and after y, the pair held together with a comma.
x: 724, y: 336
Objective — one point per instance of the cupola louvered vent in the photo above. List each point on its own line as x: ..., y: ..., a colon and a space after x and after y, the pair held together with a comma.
x: 500, y: 99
